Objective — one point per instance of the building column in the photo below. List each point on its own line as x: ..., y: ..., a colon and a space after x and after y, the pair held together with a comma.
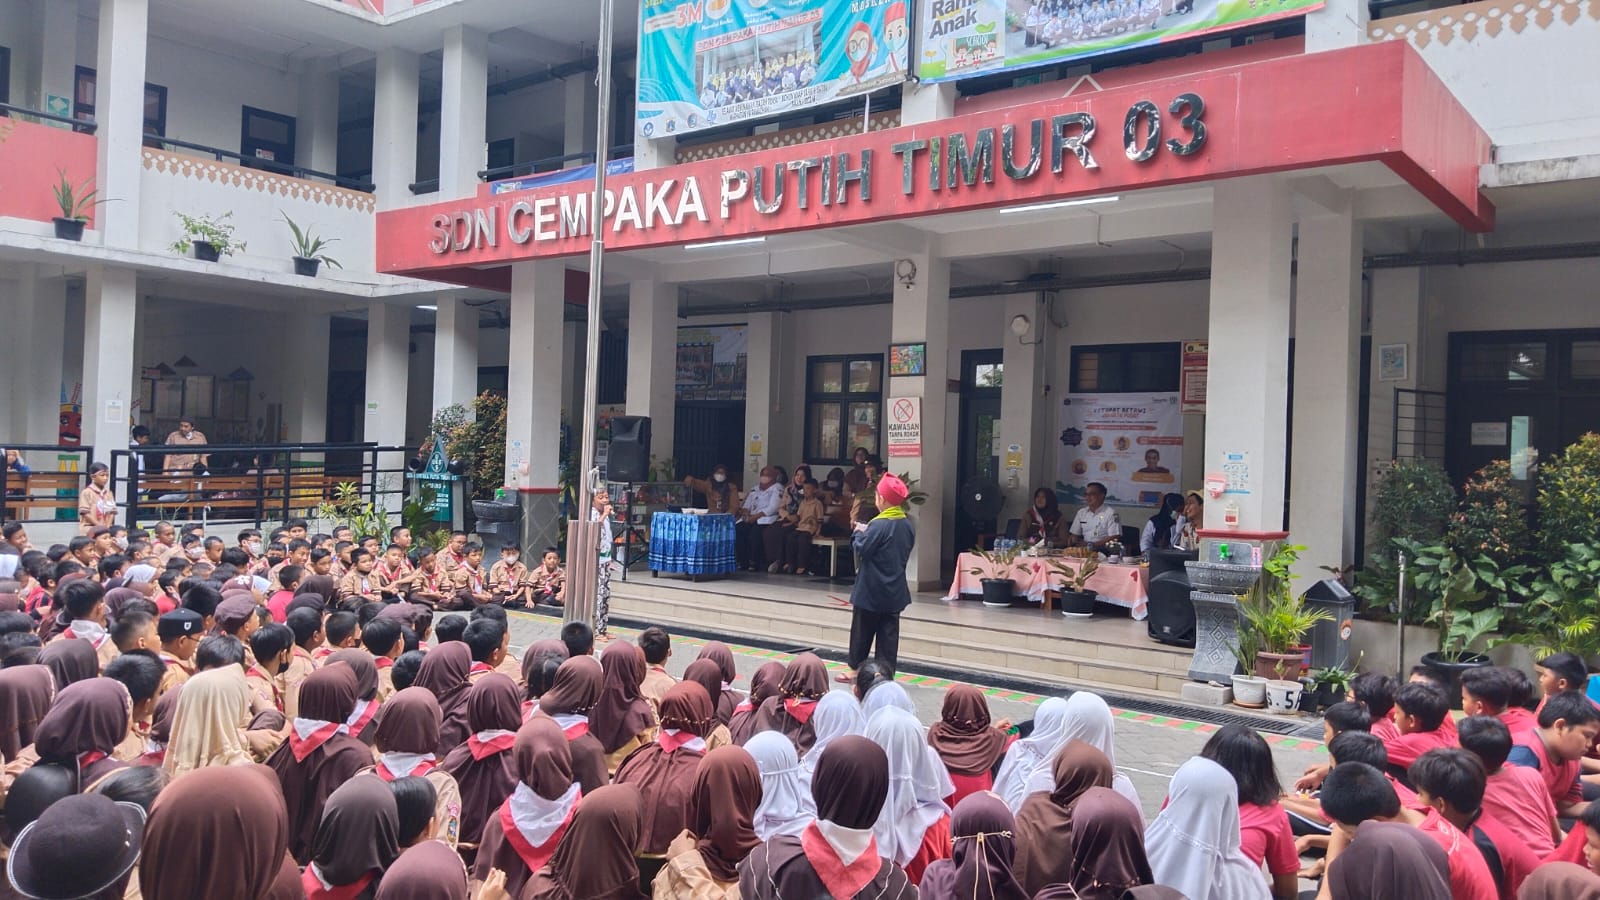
x: 1327, y: 383
x: 317, y: 132
x: 110, y: 308
x: 58, y: 51
x: 927, y: 102
x: 1020, y: 394
x: 581, y: 99
x: 463, y: 111
x: 533, y: 376
x: 1336, y: 25
x: 455, y: 354
x: 1252, y: 239
x: 653, y: 359
x: 388, y: 361
x: 761, y: 395
x: 921, y: 314
x: 119, y: 114
x: 394, y: 127
x: 572, y: 344
x: 305, y: 411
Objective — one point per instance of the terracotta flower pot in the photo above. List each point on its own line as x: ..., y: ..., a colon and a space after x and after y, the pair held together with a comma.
x: 1276, y: 666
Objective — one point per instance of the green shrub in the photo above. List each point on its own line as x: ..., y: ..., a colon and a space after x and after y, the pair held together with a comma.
x: 1492, y: 520
x: 1569, y: 497
x: 1413, y: 502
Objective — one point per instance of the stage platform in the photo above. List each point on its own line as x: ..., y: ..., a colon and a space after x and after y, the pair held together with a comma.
x: 1109, y: 652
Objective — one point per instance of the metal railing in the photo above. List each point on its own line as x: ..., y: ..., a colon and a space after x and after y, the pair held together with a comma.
x: 1419, y: 425
x: 256, y: 162
x: 81, y: 126
x: 255, y: 483
x: 48, y: 490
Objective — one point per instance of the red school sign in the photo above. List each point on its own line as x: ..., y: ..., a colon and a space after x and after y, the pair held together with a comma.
x: 1378, y: 102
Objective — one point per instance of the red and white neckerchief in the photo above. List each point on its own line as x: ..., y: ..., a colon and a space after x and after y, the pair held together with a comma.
x: 382, y: 662
x: 92, y: 632
x: 479, y: 668
x: 530, y: 708
x: 533, y: 826
x: 322, y: 653
x: 487, y: 743
x: 171, y: 661
x: 800, y: 709
x: 574, y: 725
x: 399, y: 765
x: 306, y: 735
x: 362, y: 716
x: 672, y: 739
x: 842, y: 879
x: 277, y: 696
x: 745, y: 706
x: 317, y: 888
x: 88, y: 758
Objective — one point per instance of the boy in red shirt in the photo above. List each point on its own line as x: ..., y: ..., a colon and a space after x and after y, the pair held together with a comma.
x: 289, y: 578
x: 1451, y: 782
x: 1515, y: 796
x: 1356, y: 792
x: 1375, y: 691
x: 1497, y: 691
x: 1560, y: 672
x: 1420, y: 709
x: 1568, y: 724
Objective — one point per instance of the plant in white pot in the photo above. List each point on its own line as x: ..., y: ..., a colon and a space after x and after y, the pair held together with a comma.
x: 1249, y: 689
x: 308, y: 247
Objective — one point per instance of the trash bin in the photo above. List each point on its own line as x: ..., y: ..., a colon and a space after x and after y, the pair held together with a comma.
x: 1330, y: 640
x: 499, y: 523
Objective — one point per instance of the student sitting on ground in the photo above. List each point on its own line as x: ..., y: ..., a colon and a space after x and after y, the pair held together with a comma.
x: 1451, y: 780
x: 1568, y: 724
x: 1421, y: 709
x: 1514, y: 795
x: 1494, y: 691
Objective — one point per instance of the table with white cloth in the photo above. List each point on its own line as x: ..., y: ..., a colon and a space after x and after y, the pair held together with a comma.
x: 691, y: 544
x: 1120, y: 584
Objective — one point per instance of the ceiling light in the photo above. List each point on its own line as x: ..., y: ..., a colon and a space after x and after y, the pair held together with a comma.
x: 428, y: 306
x: 1060, y: 204
x: 733, y: 242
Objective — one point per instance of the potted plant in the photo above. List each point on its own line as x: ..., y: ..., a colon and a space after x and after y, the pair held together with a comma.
x: 211, y: 237
x: 308, y: 247
x: 1076, y: 599
x: 1277, y: 618
x: 1249, y: 689
x: 1000, y: 565
x: 75, y: 203
x: 1332, y: 685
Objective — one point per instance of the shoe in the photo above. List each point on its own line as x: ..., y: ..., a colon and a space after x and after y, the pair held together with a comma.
x: 773, y: 569
x: 800, y: 571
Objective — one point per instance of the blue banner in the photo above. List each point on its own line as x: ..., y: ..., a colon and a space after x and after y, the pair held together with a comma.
x: 706, y: 63
x: 560, y: 176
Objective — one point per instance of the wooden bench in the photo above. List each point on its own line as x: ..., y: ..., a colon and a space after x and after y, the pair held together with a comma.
x: 832, y: 544
x: 306, y: 490
x: 43, y: 492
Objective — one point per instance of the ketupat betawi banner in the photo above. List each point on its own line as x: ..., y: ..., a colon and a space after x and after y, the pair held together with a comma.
x: 706, y: 63
x: 1131, y: 443
x: 960, y: 38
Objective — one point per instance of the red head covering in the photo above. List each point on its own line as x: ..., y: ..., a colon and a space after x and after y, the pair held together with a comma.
x: 892, y: 490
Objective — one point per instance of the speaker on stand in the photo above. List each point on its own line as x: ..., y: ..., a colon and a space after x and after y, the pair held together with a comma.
x: 628, y: 463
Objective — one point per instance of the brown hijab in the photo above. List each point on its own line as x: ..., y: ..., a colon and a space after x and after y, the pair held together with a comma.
x: 427, y: 871
x: 359, y: 833
x: 622, y: 713
x: 444, y: 672
x: 542, y: 760
x: 851, y: 782
x: 763, y: 684
x: 1107, y: 846
x: 1387, y: 859
x: 577, y: 689
x: 25, y: 696
x: 727, y: 790
x: 718, y: 652
x: 70, y: 660
x: 535, y: 658
x: 665, y: 777
x: 1044, y: 823
x: 705, y: 673
x: 409, y: 722
x: 323, y: 586
x: 327, y: 695
x: 962, y: 736
x: 595, y: 860
x: 1556, y: 881
x: 360, y: 662
x: 215, y: 832
x: 482, y: 765
x: 983, y: 846
x: 84, y: 726
x: 804, y: 683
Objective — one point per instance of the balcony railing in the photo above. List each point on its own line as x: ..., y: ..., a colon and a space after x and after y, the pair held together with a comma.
x: 81, y: 126
x: 256, y: 162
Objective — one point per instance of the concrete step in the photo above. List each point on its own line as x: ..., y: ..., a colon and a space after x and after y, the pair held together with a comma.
x: 1022, y: 644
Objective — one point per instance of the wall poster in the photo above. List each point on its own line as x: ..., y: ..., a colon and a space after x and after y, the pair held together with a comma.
x: 711, y: 362
x: 1131, y: 443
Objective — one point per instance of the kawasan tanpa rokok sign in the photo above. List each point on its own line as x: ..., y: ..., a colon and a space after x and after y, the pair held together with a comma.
x: 1378, y: 102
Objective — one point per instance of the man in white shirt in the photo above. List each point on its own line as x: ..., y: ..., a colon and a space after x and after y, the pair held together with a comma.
x: 756, y: 514
x: 1096, y: 524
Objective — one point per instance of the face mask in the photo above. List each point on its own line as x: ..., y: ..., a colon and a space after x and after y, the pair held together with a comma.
x: 274, y: 559
x: 833, y: 485
x: 122, y: 543
x: 719, y: 478
x: 196, y: 551
x: 766, y: 481
x: 254, y: 547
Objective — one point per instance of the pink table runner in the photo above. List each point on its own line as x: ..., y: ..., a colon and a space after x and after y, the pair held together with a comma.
x: 1122, y: 584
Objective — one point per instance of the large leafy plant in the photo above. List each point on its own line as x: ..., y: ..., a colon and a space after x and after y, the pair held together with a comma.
x: 350, y: 507
x: 1463, y: 594
x: 1413, y: 502
x: 478, y: 439
x: 1563, y: 612
x: 1270, y: 614
x: 1569, y: 497
x: 1491, y: 520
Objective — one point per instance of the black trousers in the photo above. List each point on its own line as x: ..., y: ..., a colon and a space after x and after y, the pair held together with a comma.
x: 749, y: 545
x: 866, y: 626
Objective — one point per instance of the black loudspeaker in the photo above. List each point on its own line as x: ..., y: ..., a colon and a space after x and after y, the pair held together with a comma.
x: 1171, y: 618
x: 628, y: 460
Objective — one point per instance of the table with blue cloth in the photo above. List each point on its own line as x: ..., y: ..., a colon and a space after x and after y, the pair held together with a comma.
x: 690, y: 544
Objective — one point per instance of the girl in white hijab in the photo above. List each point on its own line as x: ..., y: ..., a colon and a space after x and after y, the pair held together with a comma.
x: 883, y: 695
x: 786, y: 804
x: 1088, y: 720
x: 915, y: 815
x: 208, y: 726
x: 1034, y: 753
x: 1194, y: 844
x: 837, y: 714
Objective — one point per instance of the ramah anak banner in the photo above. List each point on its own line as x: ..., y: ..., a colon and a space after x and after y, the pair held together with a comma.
x: 960, y: 38
x: 705, y: 63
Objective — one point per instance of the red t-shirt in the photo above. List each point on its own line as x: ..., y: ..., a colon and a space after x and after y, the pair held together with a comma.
x: 1516, y: 797
x: 1470, y: 878
x: 966, y: 785
x: 1517, y: 861
x: 1404, y: 750
x: 1518, y: 720
x: 278, y: 605
x: 1560, y: 779
x: 1385, y: 730
x: 935, y: 845
x: 1572, y: 849
x: 1265, y: 836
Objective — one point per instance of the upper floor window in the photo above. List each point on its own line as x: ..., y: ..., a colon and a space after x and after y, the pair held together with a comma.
x: 1114, y: 368
x: 155, y: 102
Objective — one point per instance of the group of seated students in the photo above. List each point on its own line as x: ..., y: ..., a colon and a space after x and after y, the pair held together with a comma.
x: 362, y: 748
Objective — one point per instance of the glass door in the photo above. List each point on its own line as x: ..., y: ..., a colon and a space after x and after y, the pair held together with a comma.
x: 982, y: 372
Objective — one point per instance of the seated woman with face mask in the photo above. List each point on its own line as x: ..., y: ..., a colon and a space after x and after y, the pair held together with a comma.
x: 722, y: 495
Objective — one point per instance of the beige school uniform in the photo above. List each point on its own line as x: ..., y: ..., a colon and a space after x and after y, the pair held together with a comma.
x: 293, y: 675
x: 97, y: 508
x: 184, y: 462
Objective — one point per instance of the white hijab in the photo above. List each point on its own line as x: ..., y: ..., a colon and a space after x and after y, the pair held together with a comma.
x: 1032, y: 752
x: 916, y: 798
x: 786, y: 804
x: 884, y: 695
x: 1193, y: 845
x: 837, y: 714
x: 1088, y: 720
